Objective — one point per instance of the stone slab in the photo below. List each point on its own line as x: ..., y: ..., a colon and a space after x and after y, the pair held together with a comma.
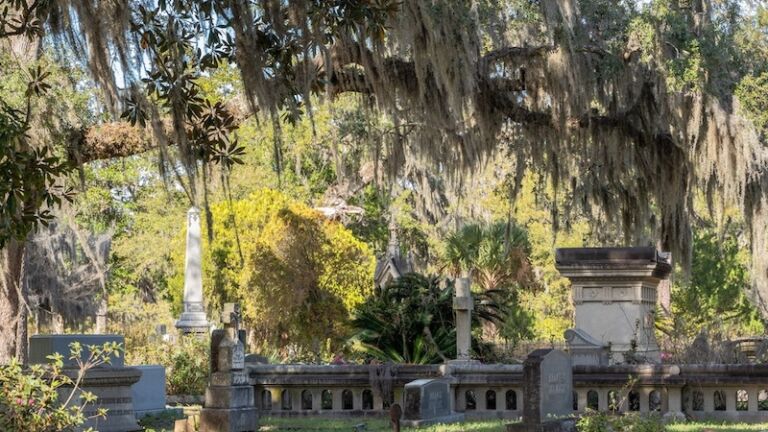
x: 229, y: 397
x: 149, y: 392
x: 229, y: 420
x: 427, y: 399
x: 451, y: 418
x: 586, y: 350
x: 609, y: 255
x: 43, y: 345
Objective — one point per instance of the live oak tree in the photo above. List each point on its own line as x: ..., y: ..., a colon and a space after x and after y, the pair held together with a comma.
x: 629, y: 110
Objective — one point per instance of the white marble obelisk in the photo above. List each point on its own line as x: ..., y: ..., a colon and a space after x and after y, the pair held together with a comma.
x: 193, y: 319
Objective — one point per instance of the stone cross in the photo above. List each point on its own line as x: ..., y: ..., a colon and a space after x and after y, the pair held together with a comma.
x: 193, y: 319
x: 231, y: 353
x: 463, y: 305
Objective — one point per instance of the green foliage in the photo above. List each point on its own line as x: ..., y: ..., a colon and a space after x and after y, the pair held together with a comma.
x: 44, y: 398
x: 186, y: 358
x: 187, y: 370
x: 495, y: 256
x: 715, y: 294
x: 752, y: 92
x: 630, y: 422
x: 411, y: 320
x: 29, y: 179
x: 297, y: 275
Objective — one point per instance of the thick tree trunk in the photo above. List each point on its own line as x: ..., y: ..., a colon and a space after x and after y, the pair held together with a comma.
x: 11, y: 259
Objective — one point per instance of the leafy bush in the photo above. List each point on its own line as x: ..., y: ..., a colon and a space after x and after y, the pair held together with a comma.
x: 298, y: 275
x: 411, y: 320
x: 187, y: 371
x: 185, y: 358
x: 45, y: 398
x: 630, y: 422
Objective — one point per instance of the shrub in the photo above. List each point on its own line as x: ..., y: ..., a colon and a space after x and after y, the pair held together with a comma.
x: 45, y: 398
x: 629, y: 422
x: 187, y: 371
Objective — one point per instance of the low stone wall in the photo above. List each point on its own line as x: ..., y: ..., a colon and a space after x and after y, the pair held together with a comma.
x: 716, y: 392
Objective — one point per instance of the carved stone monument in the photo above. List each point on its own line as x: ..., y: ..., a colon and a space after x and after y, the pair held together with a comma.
x: 193, y: 319
x: 229, y: 401
x: 586, y: 350
x: 616, y: 286
x: 547, y: 393
x: 427, y: 402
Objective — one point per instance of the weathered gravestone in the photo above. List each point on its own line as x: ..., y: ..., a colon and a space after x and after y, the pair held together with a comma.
x: 547, y: 393
x: 428, y: 402
x: 229, y: 400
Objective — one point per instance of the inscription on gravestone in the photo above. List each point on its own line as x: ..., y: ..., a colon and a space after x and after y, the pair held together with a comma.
x: 556, y: 384
x: 548, y: 393
x: 428, y: 401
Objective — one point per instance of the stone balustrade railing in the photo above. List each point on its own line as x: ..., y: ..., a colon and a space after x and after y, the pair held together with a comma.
x: 717, y: 392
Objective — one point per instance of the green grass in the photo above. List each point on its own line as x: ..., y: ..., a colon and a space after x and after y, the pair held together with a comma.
x: 322, y: 425
x: 718, y: 427
x: 164, y: 423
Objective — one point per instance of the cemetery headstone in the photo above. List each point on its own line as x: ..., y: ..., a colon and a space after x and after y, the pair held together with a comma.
x: 427, y: 402
x: 229, y: 400
x: 149, y: 392
x: 547, y: 393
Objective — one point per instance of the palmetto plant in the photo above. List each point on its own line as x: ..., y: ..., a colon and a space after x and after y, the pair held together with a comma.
x: 495, y: 256
x: 411, y: 320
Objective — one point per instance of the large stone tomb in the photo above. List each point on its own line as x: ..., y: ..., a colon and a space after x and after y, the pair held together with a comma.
x: 428, y: 402
x: 614, y: 296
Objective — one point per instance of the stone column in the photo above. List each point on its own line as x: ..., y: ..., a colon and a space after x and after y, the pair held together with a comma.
x: 101, y: 317
x: 463, y: 305
x: 193, y: 319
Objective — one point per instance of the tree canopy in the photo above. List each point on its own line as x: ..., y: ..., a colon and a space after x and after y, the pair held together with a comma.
x: 626, y: 112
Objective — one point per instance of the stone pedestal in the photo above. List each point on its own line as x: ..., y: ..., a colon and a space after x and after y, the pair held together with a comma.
x: 614, y: 293
x: 229, y: 399
x: 112, y: 384
x: 193, y: 318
